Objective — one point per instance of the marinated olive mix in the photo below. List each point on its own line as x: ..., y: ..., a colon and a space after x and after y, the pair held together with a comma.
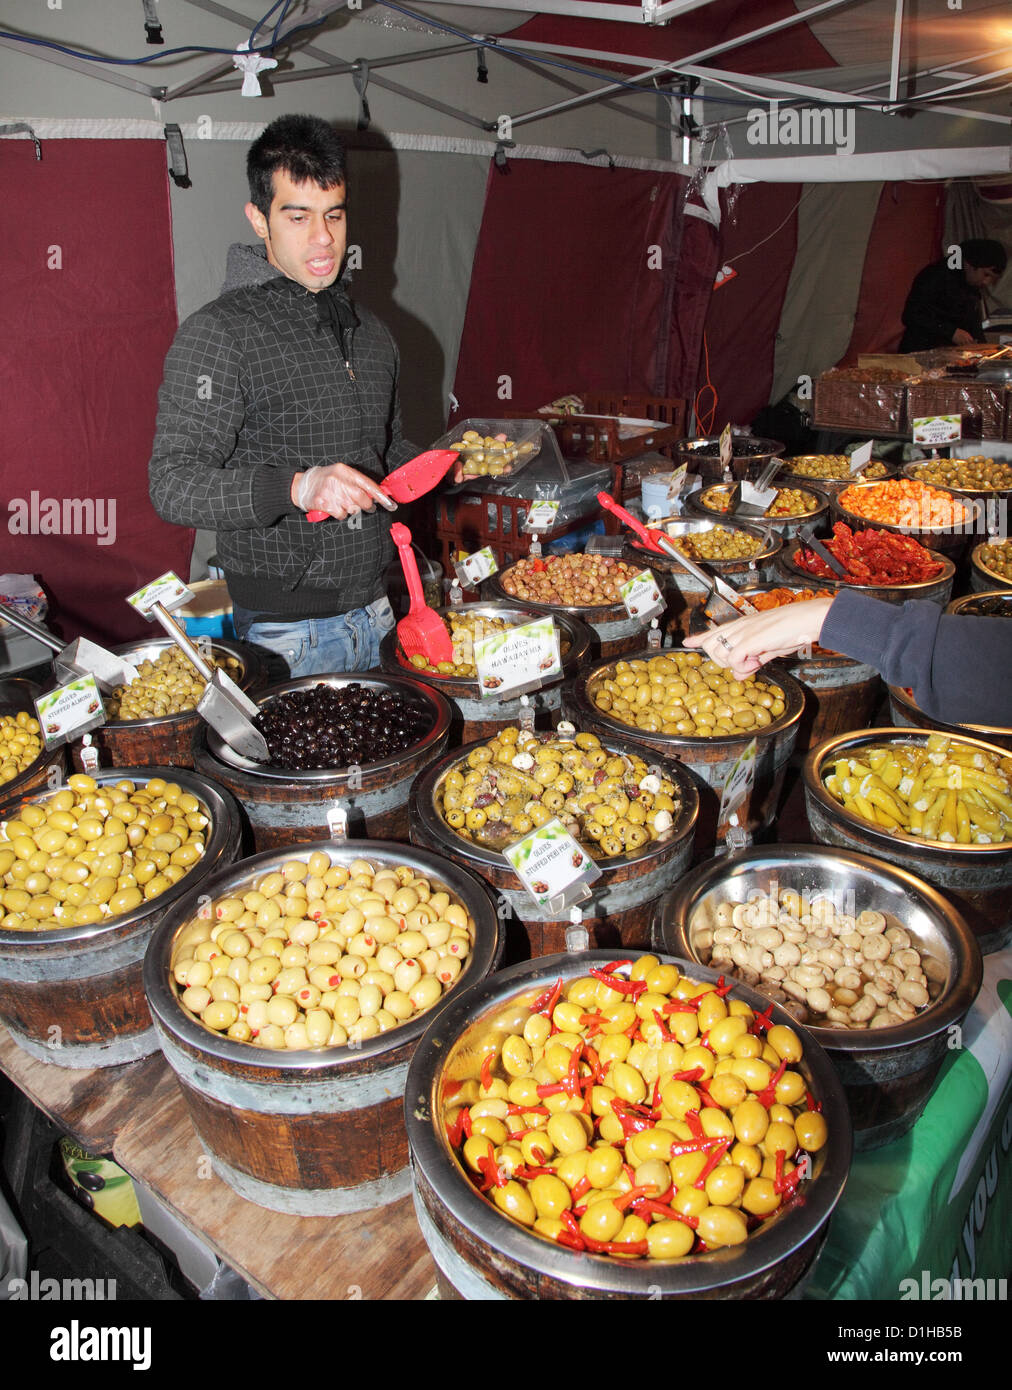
x: 825, y: 966
x: 321, y: 955
x: 20, y: 744
x: 976, y: 474
x: 492, y: 456
x: 169, y: 685
x: 789, y: 501
x: 575, y: 581
x: 684, y: 693
x: 832, y: 467
x: 996, y: 556
x: 87, y: 853
x: 327, y: 726
x: 638, y: 1113
x: 718, y: 544
x: 506, y: 788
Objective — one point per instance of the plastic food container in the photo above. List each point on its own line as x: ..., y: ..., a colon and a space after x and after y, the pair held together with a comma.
x: 526, y: 436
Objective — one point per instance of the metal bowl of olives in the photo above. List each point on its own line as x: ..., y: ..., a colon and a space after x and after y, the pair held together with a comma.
x: 749, y: 454
x: 483, y: 1252
x: 991, y: 564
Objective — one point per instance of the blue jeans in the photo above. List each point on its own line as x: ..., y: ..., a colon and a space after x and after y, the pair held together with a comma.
x: 319, y: 646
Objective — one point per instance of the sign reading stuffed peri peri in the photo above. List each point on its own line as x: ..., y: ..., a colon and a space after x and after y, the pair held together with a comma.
x: 641, y: 596
x: 168, y: 590
x: 521, y: 658
x: 550, y: 863
x: 70, y: 710
x: 938, y: 429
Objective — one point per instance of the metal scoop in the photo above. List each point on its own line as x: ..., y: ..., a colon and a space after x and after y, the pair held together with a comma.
x: 721, y: 593
x: 826, y: 556
x: 223, y: 705
x: 81, y: 658
x: 412, y: 480
x: 760, y: 495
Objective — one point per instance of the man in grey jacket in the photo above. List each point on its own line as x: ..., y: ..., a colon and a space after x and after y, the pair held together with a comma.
x: 279, y: 398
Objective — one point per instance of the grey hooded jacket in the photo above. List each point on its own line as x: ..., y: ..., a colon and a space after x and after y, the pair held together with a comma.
x: 255, y: 390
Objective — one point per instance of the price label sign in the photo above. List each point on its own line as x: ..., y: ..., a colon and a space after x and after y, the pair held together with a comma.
x: 521, y: 658
x: 552, y: 865
x: 541, y: 515
x: 675, y: 481
x: 938, y: 429
x: 861, y: 457
x: 737, y: 786
x: 641, y: 596
x: 474, y: 568
x: 753, y: 496
x: 70, y: 710
x: 725, y: 447
x: 168, y: 590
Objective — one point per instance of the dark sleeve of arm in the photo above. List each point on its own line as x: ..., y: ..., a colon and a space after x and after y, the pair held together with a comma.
x: 201, y: 410
x: 926, y: 311
x: 960, y: 669
x: 399, y: 450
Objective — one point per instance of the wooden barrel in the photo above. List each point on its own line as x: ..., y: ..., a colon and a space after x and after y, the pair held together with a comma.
x: 618, y: 912
x: 317, y: 1132
x: 474, y: 718
x: 840, y: 694
x: 684, y: 593
x: 907, y: 714
x: 284, y: 807
x: 613, y: 631
x: 787, y: 527
x: 937, y: 590
x: 167, y: 741
x: 480, y: 1253
x: 74, y: 996
x: 887, y: 1073
x: 709, y: 759
x: 952, y: 541
x: 977, y: 878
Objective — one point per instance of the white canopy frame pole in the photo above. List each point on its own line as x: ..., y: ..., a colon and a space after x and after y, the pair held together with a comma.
x: 664, y: 69
x: 894, y: 66
x: 93, y: 69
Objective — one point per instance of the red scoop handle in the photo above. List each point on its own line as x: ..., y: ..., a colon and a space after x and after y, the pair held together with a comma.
x: 401, y: 537
x: 610, y: 505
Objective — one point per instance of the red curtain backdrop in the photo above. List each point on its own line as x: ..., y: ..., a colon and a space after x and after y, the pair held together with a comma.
x: 744, y: 314
x: 86, y: 317
x: 905, y: 237
x: 573, y: 285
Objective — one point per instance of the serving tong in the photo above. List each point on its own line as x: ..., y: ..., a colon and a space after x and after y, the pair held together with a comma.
x: 81, y: 658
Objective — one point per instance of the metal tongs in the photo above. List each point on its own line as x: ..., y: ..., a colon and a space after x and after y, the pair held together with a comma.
x: 721, y: 593
x: 223, y: 705
x: 826, y: 556
x: 762, y: 496
x: 81, y: 658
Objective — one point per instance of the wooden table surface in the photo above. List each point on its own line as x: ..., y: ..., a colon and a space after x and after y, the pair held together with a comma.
x: 138, y: 1114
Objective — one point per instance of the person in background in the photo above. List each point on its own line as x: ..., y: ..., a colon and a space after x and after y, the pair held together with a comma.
x: 944, y: 307
x: 959, y: 668
x: 279, y: 398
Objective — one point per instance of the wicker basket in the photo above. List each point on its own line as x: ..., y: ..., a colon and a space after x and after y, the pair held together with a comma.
x: 982, y: 404
x: 871, y: 407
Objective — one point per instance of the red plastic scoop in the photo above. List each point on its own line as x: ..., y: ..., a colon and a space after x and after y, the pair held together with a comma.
x: 422, y: 632
x: 413, y: 479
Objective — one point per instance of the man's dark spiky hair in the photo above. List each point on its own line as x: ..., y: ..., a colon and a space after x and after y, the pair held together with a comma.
x: 305, y: 148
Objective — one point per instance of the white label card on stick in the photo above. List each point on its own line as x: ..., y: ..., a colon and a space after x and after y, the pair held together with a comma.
x: 168, y: 590
x: 541, y: 515
x: 474, y: 568
x: 938, y: 429
x: 70, y: 710
x: 641, y: 596
x: 521, y: 658
x: 675, y: 481
x: 552, y: 865
x: 753, y: 496
x: 861, y: 457
x: 726, y: 448
x: 737, y: 786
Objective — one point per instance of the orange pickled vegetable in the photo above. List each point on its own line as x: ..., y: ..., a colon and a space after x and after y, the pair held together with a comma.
x: 904, y: 502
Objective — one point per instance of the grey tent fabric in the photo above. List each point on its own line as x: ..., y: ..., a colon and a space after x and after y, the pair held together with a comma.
x: 967, y: 215
x: 834, y: 223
